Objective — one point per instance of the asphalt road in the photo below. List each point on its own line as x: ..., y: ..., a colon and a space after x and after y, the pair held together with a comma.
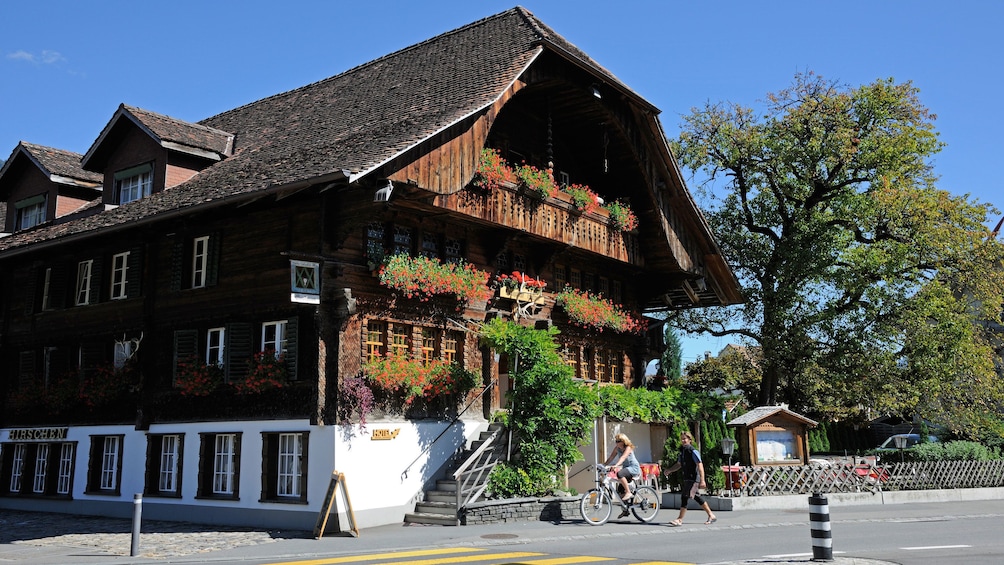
x: 909, y: 534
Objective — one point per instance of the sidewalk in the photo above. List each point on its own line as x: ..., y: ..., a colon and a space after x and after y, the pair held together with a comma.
x: 30, y: 538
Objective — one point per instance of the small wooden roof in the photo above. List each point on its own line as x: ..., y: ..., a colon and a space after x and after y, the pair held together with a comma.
x: 761, y: 413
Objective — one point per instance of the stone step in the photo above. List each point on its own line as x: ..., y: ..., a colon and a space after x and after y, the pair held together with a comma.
x: 430, y: 507
x: 441, y: 496
x: 434, y: 519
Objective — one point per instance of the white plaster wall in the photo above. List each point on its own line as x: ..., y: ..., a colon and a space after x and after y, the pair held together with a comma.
x: 383, y: 478
x: 382, y: 482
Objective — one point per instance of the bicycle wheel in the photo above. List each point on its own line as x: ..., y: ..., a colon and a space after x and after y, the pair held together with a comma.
x: 645, y: 504
x: 595, y: 507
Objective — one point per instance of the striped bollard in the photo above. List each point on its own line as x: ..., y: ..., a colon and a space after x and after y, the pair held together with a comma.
x: 819, y: 522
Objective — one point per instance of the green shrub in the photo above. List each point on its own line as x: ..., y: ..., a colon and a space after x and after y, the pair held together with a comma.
x: 950, y: 451
x: 508, y: 481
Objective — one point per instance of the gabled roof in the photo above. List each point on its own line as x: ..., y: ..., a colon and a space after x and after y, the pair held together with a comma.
x: 59, y: 165
x: 342, y: 127
x: 761, y: 413
x: 170, y: 133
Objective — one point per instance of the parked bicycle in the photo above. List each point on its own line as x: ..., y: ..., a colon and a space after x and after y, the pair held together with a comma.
x: 599, y: 502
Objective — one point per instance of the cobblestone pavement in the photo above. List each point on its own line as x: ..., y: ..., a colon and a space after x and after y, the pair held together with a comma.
x: 113, y: 536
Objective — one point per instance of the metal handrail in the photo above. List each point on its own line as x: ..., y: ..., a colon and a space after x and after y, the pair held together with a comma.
x: 477, y: 466
x: 404, y: 473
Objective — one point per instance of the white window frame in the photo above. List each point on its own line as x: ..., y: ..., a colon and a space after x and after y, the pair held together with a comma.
x: 84, y: 272
x: 215, y: 348
x: 168, y: 477
x: 45, y: 288
x: 132, y: 187
x: 64, y: 479
x: 200, y: 261
x: 224, y: 463
x: 273, y: 336
x: 289, y: 461
x: 17, y: 468
x: 110, y: 463
x: 305, y: 282
x: 30, y: 212
x: 120, y: 274
x: 41, y: 465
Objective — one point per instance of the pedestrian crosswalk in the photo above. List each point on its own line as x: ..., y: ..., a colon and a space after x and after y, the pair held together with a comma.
x: 472, y: 555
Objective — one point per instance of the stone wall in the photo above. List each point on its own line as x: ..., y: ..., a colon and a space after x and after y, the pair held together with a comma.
x: 550, y: 509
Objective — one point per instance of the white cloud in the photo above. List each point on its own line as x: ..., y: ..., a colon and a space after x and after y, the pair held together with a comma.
x: 47, y: 57
x: 21, y: 56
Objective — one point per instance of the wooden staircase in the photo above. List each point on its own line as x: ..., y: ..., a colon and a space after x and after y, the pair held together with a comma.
x: 440, y: 504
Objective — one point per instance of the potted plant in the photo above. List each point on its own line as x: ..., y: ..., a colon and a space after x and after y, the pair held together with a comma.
x: 588, y: 310
x: 539, y: 183
x: 196, y: 378
x: 266, y: 371
x: 621, y: 216
x: 584, y: 199
x: 425, y: 277
x: 492, y: 171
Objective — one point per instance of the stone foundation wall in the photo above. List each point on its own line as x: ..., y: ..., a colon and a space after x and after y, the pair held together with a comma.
x: 550, y: 509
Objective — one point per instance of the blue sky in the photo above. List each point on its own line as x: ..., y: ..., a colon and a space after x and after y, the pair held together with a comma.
x: 65, y: 66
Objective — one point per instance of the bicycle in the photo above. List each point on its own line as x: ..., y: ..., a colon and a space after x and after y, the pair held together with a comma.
x: 598, y: 502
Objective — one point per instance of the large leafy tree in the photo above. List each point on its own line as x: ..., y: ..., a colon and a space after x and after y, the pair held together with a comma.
x: 863, y: 280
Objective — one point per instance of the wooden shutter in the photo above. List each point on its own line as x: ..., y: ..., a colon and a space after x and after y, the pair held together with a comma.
x: 96, y: 278
x: 26, y: 368
x: 292, y: 347
x: 91, y: 356
x: 269, y: 465
x: 58, y: 288
x: 206, y: 452
x: 186, y: 349
x: 134, y: 272
x: 30, y: 291
x: 213, y: 261
x: 304, y: 437
x: 238, y: 350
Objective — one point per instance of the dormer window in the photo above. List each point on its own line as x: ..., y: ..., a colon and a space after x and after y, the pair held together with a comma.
x: 30, y: 212
x: 133, y: 184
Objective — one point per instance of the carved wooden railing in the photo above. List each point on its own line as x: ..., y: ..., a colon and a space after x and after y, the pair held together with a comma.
x: 553, y: 218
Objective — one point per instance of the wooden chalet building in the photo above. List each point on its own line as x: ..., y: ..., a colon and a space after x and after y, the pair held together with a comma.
x: 170, y: 248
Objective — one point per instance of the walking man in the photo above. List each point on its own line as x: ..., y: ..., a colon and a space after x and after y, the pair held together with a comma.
x: 693, y: 479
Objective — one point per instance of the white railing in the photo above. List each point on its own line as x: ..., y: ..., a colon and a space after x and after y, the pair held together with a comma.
x: 863, y: 477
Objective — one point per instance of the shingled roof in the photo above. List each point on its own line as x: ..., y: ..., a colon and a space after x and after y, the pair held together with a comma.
x: 171, y: 133
x: 348, y: 125
x: 57, y: 164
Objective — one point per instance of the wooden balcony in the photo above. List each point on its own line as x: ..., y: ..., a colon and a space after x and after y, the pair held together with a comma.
x: 555, y: 219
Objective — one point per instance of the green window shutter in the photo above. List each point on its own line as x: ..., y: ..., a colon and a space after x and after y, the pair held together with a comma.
x: 213, y: 261
x: 238, y: 351
x: 57, y: 286
x: 292, y: 349
x: 177, y: 267
x: 186, y: 349
x: 91, y: 356
x: 96, y: 278
x: 26, y: 367
x: 134, y: 272
x: 304, y: 439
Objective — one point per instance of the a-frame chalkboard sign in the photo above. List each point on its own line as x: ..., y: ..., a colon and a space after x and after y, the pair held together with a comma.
x: 329, y: 504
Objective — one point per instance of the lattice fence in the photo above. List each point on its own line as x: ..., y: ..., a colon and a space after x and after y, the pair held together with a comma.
x: 778, y: 480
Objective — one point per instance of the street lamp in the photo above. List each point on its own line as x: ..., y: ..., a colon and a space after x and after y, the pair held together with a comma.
x: 728, y: 447
x: 900, y: 441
